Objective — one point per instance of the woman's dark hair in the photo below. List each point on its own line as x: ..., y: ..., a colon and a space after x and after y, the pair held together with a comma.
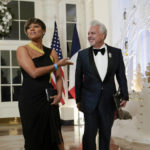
x: 34, y: 21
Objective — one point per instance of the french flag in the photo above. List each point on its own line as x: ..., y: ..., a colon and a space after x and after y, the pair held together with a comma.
x: 74, y: 53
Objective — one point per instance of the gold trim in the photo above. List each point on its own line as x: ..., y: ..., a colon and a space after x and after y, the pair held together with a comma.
x: 36, y: 48
x: 52, y: 59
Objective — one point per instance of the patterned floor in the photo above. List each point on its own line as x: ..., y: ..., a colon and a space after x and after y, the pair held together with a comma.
x: 11, y: 139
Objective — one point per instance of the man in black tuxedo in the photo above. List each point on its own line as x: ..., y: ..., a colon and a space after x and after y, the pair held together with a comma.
x: 95, y: 71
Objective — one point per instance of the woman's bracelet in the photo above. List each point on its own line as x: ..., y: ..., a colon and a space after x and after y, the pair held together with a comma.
x: 55, y: 66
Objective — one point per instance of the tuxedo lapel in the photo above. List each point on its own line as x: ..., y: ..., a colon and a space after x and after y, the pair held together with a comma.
x: 92, y: 62
x: 110, y: 62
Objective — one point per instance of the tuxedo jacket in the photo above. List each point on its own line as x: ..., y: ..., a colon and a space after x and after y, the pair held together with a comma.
x: 88, y: 84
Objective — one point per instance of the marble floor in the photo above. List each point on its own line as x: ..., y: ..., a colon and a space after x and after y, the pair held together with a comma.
x: 11, y: 139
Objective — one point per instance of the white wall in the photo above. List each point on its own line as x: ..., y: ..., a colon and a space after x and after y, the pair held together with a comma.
x: 102, y: 12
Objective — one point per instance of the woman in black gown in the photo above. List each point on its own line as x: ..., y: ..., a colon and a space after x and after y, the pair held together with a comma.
x: 40, y: 119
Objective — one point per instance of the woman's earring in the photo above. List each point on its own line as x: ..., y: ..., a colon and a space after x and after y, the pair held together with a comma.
x: 43, y: 34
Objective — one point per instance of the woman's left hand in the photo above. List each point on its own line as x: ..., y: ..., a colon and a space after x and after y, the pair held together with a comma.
x: 56, y: 99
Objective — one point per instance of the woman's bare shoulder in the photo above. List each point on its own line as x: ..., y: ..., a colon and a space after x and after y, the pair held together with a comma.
x: 22, y: 48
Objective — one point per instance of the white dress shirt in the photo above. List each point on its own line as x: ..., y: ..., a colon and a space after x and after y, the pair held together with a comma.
x: 101, y: 62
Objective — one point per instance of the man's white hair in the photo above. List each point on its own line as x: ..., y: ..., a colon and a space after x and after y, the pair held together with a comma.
x: 101, y: 25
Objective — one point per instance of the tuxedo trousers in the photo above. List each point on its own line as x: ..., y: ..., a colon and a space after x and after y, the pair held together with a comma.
x: 99, y: 121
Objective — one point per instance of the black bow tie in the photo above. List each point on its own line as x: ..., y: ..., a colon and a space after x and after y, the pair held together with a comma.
x: 99, y: 50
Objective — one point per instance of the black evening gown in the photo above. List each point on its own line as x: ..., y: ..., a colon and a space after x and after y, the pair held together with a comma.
x: 40, y: 120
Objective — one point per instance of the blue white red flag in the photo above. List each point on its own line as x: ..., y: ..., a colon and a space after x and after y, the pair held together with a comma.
x: 74, y: 53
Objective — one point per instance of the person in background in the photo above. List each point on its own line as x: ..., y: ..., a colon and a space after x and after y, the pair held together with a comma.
x: 40, y: 119
x: 95, y: 85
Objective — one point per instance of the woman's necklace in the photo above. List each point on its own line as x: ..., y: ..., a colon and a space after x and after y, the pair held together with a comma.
x: 36, y: 48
